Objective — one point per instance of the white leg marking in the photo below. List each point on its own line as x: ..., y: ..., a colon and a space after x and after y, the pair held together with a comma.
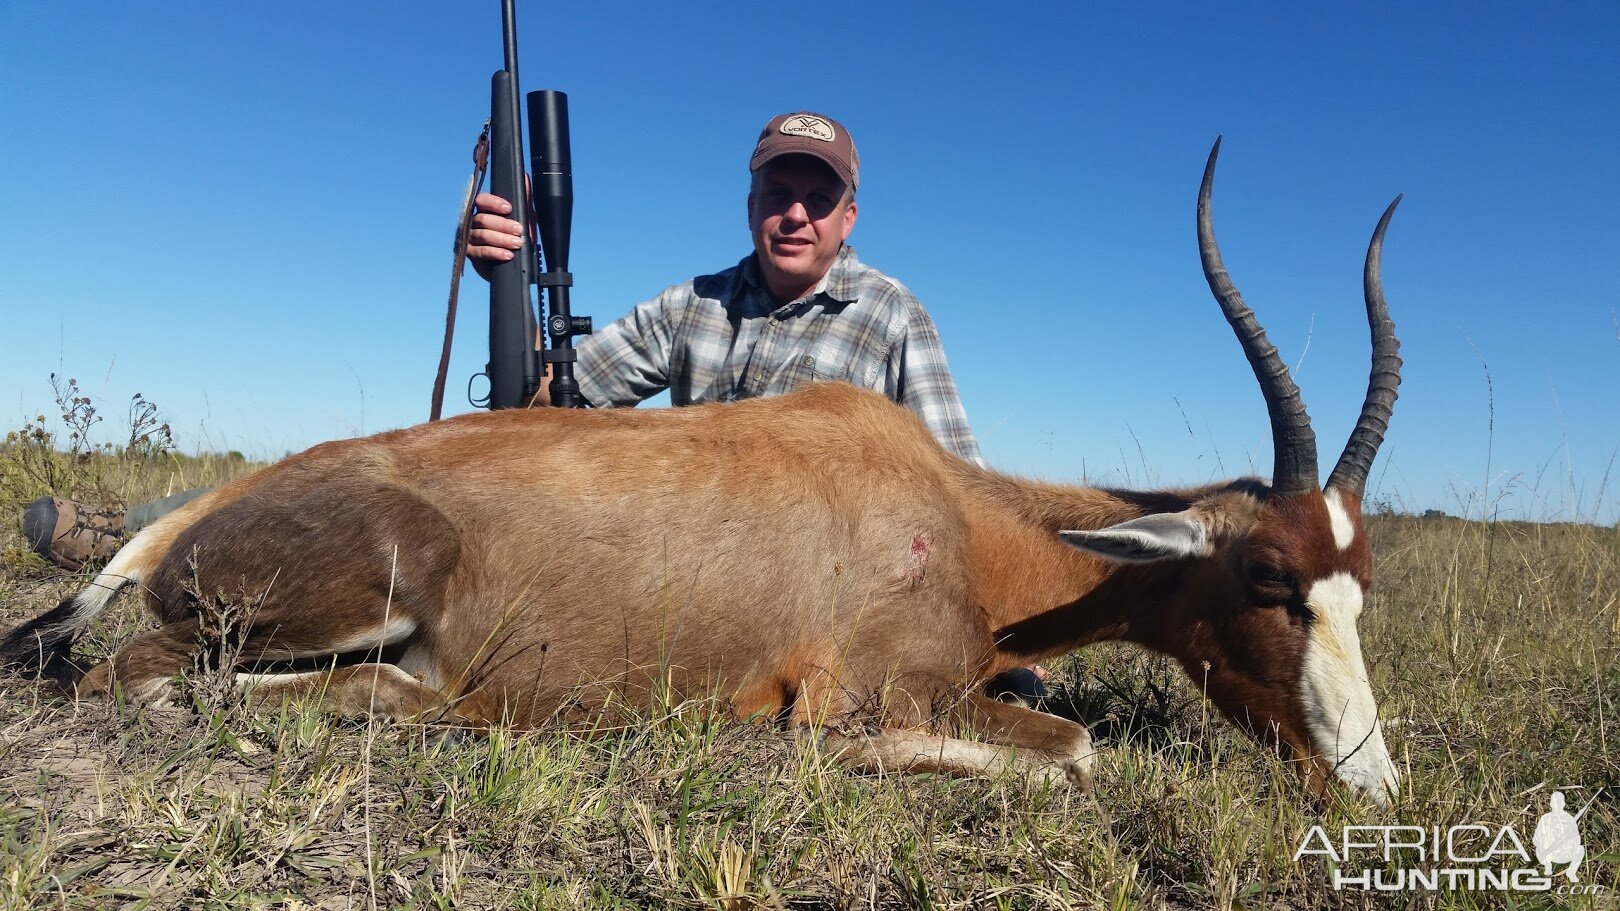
x: 1344, y: 528
x: 1339, y: 706
x: 248, y: 682
x: 156, y: 693
x: 395, y: 630
x: 368, y: 690
x: 420, y: 664
x: 913, y: 751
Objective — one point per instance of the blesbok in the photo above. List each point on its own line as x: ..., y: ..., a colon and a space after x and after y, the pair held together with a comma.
x: 817, y: 557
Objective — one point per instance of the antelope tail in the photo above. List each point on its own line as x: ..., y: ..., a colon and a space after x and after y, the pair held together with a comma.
x: 42, y: 646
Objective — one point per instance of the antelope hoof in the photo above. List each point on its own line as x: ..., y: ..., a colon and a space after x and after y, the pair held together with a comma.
x: 1072, y: 766
x: 1065, y: 772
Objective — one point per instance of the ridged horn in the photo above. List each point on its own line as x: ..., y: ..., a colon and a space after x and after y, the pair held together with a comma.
x: 1350, y: 474
x: 1293, y: 442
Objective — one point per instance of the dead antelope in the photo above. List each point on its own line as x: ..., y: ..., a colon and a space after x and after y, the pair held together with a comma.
x: 816, y: 556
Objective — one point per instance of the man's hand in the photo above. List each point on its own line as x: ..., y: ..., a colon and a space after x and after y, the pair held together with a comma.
x: 493, y: 238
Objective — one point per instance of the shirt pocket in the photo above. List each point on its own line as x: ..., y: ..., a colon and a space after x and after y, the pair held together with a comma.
x: 826, y: 364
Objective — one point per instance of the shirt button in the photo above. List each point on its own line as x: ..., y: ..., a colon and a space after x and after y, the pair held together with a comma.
x: 809, y: 361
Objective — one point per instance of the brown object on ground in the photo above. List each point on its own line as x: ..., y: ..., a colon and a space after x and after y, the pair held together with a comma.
x: 72, y: 534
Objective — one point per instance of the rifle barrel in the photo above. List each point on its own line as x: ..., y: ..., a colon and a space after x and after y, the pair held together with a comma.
x: 512, y: 370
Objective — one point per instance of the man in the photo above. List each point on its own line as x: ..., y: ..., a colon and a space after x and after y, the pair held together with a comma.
x: 802, y: 307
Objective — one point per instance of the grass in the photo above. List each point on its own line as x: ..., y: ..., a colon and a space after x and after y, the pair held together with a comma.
x: 1492, y: 647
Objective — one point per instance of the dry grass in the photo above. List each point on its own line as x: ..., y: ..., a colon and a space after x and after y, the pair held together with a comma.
x: 1492, y: 646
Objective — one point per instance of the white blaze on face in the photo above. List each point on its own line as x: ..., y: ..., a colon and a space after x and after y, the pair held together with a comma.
x: 1344, y: 528
x: 1339, y: 707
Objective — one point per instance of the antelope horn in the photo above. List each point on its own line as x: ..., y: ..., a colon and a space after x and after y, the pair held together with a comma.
x: 1350, y: 474
x: 1292, y: 440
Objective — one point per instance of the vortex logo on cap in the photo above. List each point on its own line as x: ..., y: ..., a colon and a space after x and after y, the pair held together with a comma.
x: 809, y: 126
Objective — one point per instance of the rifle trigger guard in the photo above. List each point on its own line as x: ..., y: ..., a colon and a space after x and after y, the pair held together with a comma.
x: 555, y: 279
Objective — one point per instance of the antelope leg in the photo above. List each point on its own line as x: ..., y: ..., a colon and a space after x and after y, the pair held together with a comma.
x: 1036, y: 743
x: 374, y: 690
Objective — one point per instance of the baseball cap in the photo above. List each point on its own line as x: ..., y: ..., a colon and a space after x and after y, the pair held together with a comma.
x: 808, y: 133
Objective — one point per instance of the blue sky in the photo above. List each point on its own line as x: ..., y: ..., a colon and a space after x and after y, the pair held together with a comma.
x: 243, y: 212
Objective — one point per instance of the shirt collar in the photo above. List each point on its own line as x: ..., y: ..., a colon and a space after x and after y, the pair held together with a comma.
x: 840, y: 283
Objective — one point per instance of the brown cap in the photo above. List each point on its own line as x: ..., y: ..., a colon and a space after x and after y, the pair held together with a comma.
x: 809, y: 133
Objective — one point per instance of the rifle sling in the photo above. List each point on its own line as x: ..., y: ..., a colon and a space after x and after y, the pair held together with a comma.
x: 463, y: 230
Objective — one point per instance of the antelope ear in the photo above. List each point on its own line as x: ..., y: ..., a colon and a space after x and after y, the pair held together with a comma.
x: 1166, y: 536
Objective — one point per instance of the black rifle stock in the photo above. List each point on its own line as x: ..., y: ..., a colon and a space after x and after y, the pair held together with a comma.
x: 514, y: 364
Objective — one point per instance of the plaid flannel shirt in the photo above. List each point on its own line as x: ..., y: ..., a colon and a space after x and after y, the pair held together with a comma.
x: 718, y: 338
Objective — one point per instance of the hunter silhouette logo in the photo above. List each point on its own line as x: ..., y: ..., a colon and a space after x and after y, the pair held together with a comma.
x: 809, y: 126
x: 1558, y: 839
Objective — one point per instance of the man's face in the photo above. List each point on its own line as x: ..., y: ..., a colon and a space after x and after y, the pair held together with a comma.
x: 799, y: 217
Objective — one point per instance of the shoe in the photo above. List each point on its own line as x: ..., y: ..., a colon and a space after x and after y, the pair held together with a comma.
x: 72, y: 534
x: 1022, y: 686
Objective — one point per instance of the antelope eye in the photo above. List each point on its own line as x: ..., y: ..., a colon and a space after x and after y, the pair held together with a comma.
x: 1271, y: 583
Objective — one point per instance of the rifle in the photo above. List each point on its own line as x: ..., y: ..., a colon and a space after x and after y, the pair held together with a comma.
x: 515, y: 366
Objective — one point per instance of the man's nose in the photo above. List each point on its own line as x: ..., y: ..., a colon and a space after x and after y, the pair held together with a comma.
x: 797, y: 212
